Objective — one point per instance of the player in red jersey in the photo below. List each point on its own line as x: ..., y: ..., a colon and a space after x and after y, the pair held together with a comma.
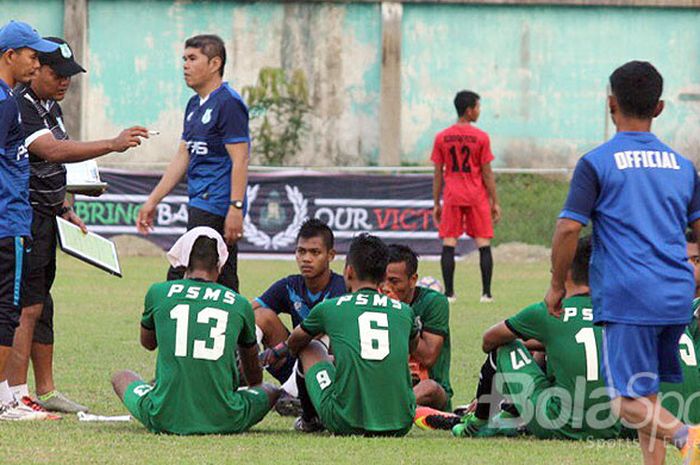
x: 462, y: 158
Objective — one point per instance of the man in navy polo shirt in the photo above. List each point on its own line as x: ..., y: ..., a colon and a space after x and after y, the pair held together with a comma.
x: 296, y: 295
x: 19, y: 62
x: 213, y: 153
x: 641, y: 196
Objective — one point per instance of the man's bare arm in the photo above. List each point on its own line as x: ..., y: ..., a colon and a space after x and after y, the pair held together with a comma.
x: 497, y: 336
x: 173, y: 175
x: 298, y: 340
x: 564, y: 245
x: 428, y: 348
x: 233, y: 224
x: 437, y: 190
x: 48, y: 148
x: 250, y: 366
x: 490, y: 183
x: 695, y: 226
x: 148, y: 339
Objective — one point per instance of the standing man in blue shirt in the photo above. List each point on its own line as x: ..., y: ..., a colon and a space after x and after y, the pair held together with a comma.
x: 19, y: 62
x: 213, y: 153
x: 641, y: 196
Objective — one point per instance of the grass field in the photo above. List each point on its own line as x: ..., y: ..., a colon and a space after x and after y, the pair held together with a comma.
x: 97, y: 324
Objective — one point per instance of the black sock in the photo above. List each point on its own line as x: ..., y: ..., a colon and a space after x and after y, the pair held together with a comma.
x: 447, y: 262
x: 488, y: 371
x: 307, y: 407
x: 486, y: 263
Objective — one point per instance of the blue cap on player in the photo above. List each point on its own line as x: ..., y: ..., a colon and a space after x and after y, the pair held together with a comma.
x: 16, y: 34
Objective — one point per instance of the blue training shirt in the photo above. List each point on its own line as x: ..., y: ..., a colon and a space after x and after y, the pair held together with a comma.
x: 290, y: 295
x: 221, y: 119
x: 641, y: 196
x: 15, y: 210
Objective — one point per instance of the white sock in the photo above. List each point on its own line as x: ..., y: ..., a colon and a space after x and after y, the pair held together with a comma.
x: 6, y: 393
x: 290, y: 386
x: 21, y: 390
x: 258, y: 334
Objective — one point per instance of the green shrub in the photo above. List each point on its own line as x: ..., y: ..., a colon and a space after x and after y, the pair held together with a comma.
x: 530, y: 205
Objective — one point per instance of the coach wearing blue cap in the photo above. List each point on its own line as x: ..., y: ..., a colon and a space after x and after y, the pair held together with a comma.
x: 49, y: 147
x: 19, y: 62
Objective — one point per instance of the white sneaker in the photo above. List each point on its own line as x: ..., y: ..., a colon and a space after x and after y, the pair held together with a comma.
x: 486, y: 299
x: 452, y: 298
x: 14, y: 411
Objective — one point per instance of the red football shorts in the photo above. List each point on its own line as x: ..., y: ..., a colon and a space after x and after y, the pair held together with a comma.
x: 474, y: 220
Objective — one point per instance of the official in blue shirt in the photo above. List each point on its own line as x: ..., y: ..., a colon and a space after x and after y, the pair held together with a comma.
x: 213, y: 153
x: 641, y: 196
x: 296, y: 295
x: 19, y: 63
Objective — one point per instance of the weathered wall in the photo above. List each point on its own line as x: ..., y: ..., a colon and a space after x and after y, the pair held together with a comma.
x: 542, y: 74
x: 541, y: 70
x: 136, y: 74
x: 45, y: 15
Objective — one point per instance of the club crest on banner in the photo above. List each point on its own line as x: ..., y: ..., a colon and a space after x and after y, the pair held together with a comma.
x: 272, y: 214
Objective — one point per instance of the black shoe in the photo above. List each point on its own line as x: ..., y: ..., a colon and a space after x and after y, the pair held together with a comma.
x: 288, y: 406
x: 308, y: 426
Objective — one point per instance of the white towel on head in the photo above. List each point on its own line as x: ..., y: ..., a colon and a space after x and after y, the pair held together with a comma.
x: 179, y: 253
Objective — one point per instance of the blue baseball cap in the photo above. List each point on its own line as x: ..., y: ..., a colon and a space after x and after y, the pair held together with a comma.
x: 16, y: 34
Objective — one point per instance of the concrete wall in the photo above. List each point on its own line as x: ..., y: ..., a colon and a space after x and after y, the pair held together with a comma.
x: 45, y: 15
x: 542, y: 73
x: 541, y: 70
x: 136, y: 75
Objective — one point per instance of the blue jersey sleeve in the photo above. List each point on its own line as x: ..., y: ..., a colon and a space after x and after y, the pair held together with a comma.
x: 233, y: 122
x: 7, y: 113
x: 694, y: 206
x: 583, y: 193
x: 275, y: 298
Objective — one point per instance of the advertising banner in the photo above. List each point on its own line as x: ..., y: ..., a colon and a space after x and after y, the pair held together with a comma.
x: 397, y: 208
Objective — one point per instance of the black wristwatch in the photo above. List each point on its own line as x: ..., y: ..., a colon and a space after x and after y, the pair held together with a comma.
x: 237, y: 204
x: 64, y: 210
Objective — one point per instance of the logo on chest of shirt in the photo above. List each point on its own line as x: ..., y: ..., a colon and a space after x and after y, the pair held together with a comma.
x: 206, y: 117
x: 22, y: 152
x: 189, y: 116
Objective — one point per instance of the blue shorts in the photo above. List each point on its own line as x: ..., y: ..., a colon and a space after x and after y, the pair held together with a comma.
x: 636, y: 359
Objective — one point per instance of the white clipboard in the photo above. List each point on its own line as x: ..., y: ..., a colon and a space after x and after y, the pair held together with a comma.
x: 90, y: 248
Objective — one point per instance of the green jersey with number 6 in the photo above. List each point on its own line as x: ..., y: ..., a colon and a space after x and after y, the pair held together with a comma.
x: 369, y: 335
x: 198, y: 325
x: 573, y: 345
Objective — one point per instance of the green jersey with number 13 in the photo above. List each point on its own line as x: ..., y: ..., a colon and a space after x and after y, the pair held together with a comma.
x: 370, y: 335
x: 198, y: 326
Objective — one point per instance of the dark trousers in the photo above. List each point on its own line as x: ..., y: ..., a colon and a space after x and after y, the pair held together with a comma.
x: 229, y: 274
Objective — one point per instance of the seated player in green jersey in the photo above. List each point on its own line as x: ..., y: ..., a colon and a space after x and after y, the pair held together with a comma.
x: 433, y: 352
x: 683, y: 399
x: 570, y: 400
x: 365, y: 389
x: 197, y: 324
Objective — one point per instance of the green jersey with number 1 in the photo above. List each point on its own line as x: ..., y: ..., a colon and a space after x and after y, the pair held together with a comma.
x: 198, y: 326
x: 370, y: 335
x: 683, y: 399
x: 573, y: 346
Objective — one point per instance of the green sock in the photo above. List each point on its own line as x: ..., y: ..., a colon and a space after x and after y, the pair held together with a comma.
x: 47, y: 396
